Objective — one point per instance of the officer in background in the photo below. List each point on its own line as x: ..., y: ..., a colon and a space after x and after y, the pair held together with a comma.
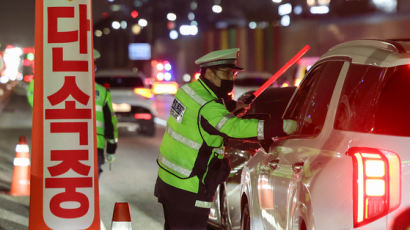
x: 106, y: 121
x: 107, y: 132
x: 191, y: 162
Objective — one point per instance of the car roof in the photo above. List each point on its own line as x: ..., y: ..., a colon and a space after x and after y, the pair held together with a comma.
x: 382, y: 53
x: 248, y: 74
x: 119, y: 73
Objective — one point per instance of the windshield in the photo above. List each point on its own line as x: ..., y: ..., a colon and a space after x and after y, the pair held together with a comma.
x: 120, y: 82
x: 375, y: 100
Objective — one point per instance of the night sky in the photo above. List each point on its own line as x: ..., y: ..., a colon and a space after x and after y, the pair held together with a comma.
x: 17, y: 21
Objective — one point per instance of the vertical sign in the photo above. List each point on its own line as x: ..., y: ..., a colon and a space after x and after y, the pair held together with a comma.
x: 64, y: 188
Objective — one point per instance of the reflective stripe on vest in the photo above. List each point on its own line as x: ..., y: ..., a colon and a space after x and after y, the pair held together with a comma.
x: 112, y: 141
x: 98, y: 108
x: 203, y: 204
x: 183, y: 140
x: 222, y: 122
x: 198, y: 99
x: 261, y: 135
x: 219, y: 151
x: 174, y: 167
x: 99, y: 124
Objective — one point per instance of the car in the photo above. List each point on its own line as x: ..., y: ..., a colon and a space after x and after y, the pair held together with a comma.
x: 132, y: 100
x: 225, y: 212
x: 347, y: 165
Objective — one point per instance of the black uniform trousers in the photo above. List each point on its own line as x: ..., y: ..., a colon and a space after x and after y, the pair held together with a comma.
x: 180, y: 219
x: 179, y: 210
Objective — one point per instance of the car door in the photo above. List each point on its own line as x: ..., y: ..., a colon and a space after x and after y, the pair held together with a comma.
x: 284, y: 163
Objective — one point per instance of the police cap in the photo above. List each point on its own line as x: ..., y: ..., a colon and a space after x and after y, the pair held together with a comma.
x: 226, y: 57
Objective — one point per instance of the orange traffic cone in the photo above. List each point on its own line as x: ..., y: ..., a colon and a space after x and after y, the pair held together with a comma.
x: 121, y: 218
x: 20, y: 184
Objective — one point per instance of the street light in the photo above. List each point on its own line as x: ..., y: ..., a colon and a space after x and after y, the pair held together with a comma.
x: 217, y: 9
x: 171, y: 17
x: 115, y: 25
x: 142, y: 22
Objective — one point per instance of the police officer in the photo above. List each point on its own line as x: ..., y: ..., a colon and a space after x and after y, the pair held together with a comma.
x: 106, y: 121
x: 107, y: 132
x: 191, y: 162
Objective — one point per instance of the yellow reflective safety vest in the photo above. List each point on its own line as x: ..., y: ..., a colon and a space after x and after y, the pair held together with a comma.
x: 106, y: 121
x: 196, y: 127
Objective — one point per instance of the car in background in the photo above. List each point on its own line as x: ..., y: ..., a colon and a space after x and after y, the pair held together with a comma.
x: 347, y: 165
x: 246, y: 81
x: 302, y: 67
x: 131, y: 99
x: 226, y: 211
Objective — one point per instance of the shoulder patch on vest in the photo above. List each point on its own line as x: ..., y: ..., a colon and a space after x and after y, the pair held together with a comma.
x: 97, y: 95
x: 177, y: 110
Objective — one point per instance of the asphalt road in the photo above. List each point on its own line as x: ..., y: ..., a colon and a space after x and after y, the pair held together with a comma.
x: 131, y: 178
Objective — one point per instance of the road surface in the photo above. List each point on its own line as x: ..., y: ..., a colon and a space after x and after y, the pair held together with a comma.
x: 131, y: 179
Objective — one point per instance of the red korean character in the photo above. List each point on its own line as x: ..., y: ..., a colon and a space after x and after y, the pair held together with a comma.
x: 70, y: 111
x: 61, y: 65
x: 69, y: 88
x: 70, y: 159
x: 85, y: 27
x: 69, y: 195
x: 54, y: 13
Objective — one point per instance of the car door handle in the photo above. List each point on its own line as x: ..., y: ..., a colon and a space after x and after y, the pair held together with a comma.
x: 298, y: 166
x: 273, y: 164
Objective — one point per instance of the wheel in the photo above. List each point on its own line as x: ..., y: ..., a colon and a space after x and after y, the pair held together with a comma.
x: 245, y: 218
x: 224, y: 210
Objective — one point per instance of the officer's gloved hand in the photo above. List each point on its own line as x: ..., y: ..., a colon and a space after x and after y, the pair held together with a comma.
x: 247, y: 98
x: 241, y: 109
x: 244, y: 104
x: 289, y: 126
x: 110, y: 158
x: 218, y: 172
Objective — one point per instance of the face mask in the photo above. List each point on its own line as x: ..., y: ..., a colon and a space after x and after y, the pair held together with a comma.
x: 226, y: 86
x: 221, y: 91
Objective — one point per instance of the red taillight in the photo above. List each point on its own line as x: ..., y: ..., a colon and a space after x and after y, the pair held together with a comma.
x: 143, y: 92
x: 376, y: 183
x: 143, y: 116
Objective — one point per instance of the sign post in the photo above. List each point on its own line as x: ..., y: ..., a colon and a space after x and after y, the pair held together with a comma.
x: 64, y: 174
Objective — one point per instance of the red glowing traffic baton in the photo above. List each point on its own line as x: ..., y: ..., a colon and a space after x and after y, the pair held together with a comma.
x: 281, y: 71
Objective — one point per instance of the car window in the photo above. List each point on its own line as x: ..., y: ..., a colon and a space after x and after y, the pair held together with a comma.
x: 375, y: 100
x: 273, y: 102
x: 120, y: 82
x: 311, y: 101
